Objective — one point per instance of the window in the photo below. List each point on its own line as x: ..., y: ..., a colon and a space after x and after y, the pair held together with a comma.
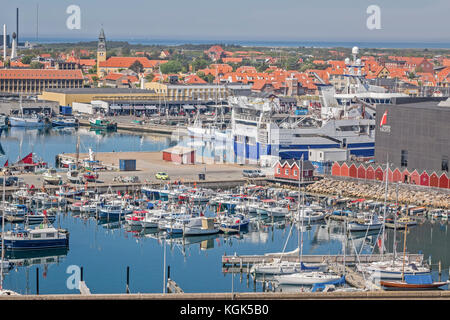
x: 404, y: 158
x: 286, y: 172
x: 36, y: 235
x: 295, y: 173
x: 278, y: 171
x: 50, y: 235
x: 444, y: 165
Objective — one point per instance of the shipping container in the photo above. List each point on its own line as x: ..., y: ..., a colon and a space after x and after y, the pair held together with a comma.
x: 65, y: 110
x: 127, y: 164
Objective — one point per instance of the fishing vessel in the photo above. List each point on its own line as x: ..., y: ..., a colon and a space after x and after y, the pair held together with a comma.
x: 33, y: 120
x: 52, y: 177
x: 65, y: 122
x: 100, y: 123
x: 200, y: 226
x: 43, y: 236
x: 370, y: 221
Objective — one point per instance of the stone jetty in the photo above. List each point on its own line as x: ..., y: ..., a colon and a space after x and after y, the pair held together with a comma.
x: 407, y: 194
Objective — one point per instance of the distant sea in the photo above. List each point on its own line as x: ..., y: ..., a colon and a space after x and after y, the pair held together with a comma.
x: 257, y: 43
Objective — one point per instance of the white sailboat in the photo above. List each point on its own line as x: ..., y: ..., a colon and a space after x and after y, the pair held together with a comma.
x: 306, y: 275
x: 397, y: 267
x: 22, y: 121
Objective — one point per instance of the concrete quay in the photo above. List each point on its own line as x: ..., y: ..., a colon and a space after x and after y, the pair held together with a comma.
x: 242, y: 296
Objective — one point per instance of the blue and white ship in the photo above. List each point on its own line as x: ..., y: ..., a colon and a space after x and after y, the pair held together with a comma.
x: 264, y: 131
x: 42, y: 237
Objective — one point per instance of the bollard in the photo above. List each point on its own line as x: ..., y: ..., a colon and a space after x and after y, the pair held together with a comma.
x: 37, y: 281
x: 439, y: 270
x: 128, y: 279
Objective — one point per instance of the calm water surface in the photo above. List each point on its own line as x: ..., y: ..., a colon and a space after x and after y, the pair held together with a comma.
x: 105, y: 251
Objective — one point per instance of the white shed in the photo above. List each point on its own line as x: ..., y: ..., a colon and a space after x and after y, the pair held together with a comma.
x: 326, y: 155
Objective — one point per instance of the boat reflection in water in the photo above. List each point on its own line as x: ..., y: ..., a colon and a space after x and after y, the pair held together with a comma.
x: 25, y: 258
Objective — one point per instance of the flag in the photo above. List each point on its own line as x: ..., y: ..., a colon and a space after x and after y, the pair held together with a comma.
x: 6, y: 163
x: 383, y: 119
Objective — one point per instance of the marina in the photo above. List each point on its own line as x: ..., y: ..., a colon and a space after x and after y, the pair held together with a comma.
x: 206, y: 171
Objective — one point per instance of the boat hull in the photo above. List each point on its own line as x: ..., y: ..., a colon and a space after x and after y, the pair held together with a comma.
x: 35, y: 244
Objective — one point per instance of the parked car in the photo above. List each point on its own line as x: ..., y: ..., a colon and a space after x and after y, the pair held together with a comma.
x: 162, y: 176
x: 255, y: 173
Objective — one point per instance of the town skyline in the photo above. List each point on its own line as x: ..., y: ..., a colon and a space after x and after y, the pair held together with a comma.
x: 247, y: 21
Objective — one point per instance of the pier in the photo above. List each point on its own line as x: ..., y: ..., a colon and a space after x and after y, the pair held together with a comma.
x: 244, y: 260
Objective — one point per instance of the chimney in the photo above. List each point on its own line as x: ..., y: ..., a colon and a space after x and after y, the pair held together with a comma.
x: 4, y: 42
x: 17, y: 25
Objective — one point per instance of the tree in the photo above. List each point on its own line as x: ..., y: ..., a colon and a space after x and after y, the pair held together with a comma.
x: 27, y: 59
x: 36, y: 65
x: 173, y: 66
x: 137, y: 67
x: 150, y: 77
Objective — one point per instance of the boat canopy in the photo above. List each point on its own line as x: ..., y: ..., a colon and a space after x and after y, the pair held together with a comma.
x: 418, y: 278
x: 318, y: 286
x: 303, y: 267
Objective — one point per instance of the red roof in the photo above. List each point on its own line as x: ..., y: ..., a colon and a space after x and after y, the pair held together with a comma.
x: 40, y: 74
x: 126, y: 62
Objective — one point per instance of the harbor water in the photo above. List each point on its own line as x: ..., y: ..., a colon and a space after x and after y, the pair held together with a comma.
x: 105, y: 250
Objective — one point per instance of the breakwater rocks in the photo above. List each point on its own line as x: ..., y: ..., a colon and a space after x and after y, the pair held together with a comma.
x: 407, y: 194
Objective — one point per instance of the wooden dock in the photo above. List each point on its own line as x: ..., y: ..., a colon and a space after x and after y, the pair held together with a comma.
x: 354, y: 278
x: 243, y: 261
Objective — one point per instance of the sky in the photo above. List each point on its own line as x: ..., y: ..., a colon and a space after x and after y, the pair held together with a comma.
x: 259, y: 20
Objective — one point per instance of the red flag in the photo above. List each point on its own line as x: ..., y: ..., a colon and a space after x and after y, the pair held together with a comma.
x: 6, y: 163
x: 383, y: 119
x: 44, y: 212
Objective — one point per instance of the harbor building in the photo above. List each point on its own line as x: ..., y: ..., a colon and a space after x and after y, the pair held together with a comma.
x: 33, y: 81
x: 414, y: 135
x: 179, y: 92
x: 66, y: 97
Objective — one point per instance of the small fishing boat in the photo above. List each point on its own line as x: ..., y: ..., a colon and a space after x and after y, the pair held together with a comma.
x: 65, y: 122
x: 100, y: 123
x: 90, y: 176
x: 136, y: 218
x: 52, y: 177
x: 369, y: 222
x: 22, y: 121
x: 38, y: 217
x: 74, y: 177
x: 414, y: 282
x: 237, y: 222
x: 41, y: 237
x: 114, y: 211
x: 200, y: 226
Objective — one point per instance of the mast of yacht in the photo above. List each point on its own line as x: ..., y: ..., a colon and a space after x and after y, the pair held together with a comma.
x: 384, y: 212
x: 303, y: 208
x: 3, y: 231
x: 394, y: 249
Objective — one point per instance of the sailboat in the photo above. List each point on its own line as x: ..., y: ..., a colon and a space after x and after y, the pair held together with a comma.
x: 282, y: 268
x: 395, y: 268
x: 412, y: 281
x: 306, y: 275
x: 22, y: 121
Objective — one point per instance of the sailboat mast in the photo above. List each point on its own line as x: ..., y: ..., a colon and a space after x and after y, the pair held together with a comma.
x: 404, y: 253
x: 384, y: 211
x: 3, y: 230
x: 394, y: 249
x: 78, y: 151
x: 303, y: 208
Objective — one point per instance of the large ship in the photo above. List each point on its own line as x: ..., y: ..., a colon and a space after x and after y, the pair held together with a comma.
x: 263, y: 130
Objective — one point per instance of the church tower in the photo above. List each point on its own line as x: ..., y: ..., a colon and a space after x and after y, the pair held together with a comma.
x: 101, y: 51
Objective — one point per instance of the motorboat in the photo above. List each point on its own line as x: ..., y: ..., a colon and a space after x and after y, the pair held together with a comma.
x: 65, y: 122
x: 52, y: 177
x: 237, y: 221
x: 392, y: 269
x: 200, y: 226
x: 369, y: 222
x: 41, y: 237
x: 74, y: 176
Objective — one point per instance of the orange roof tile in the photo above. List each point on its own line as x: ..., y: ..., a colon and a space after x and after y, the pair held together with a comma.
x: 40, y: 74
